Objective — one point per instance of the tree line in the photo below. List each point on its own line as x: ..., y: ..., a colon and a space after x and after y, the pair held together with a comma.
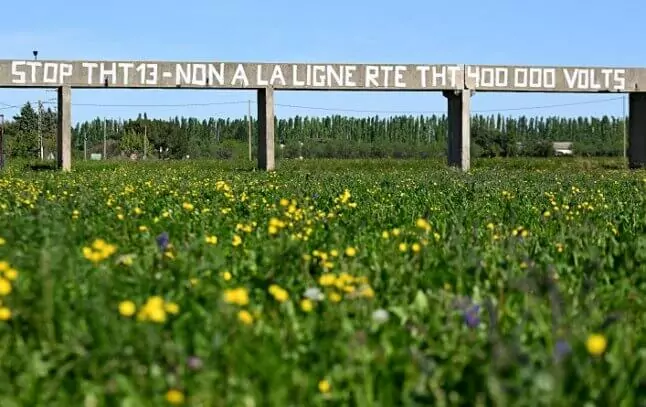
x: 333, y: 136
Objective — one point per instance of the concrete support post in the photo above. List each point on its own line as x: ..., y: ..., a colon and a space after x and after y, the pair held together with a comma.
x: 64, y: 133
x: 266, y: 159
x: 637, y: 130
x: 459, y: 134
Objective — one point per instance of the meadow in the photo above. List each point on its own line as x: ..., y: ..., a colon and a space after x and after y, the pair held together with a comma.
x: 348, y: 282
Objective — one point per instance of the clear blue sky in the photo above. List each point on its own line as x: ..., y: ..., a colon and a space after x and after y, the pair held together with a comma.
x: 546, y: 32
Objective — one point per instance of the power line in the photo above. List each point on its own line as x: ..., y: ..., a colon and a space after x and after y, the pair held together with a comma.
x: 358, y: 111
x: 237, y: 102
x: 444, y: 111
x: 7, y: 106
x: 549, y: 106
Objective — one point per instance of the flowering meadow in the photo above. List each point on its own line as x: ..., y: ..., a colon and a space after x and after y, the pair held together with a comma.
x: 326, y: 283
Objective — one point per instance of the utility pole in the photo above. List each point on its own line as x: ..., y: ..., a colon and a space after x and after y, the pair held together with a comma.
x: 105, y: 141
x: 145, y: 140
x: 623, y: 105
x: 1, y: 141
x: 40, y: 136
x: 85, y: 146
x: 249, y: 130
x: 40, y: 132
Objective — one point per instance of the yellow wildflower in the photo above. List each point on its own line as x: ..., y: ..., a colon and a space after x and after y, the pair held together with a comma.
x: 236, y: 241
x: 211, y: 239
x: 92, y: 255
x: 367, y: 291
x: 226, y: 276
x: 156, y: 314
x: 327, y: 279
x: 237, y: 296
x: 5, y: 314
x: 11, y: 274
x: 127, y: 308
x: 307, y: 305
x: 153, y: 310
x: 279, y: 294
x: 596, y: 344
x: 423, y: 224
x: 5, y: 287
x: 324, y: 386
x: 105, y: 248
x: 350, y: 252
x: 245, y: 317
x: 99, y: 250
x: 126, y: 259
x: 175, y: 397
x: 171, y: 308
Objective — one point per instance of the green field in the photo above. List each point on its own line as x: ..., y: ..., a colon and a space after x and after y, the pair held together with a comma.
x: 363, y: 283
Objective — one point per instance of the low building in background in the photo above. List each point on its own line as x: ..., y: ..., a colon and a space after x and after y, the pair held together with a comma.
x: 563, y: 148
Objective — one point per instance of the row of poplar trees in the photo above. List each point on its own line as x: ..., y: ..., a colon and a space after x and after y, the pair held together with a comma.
x: 332, y: 136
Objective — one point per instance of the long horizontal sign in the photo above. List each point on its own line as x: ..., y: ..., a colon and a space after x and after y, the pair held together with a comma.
x: 195, y: 75
x: 144, y: 74
x: 554, y: 79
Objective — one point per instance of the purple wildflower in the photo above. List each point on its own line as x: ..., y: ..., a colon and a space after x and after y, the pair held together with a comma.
x: 471, y: 317
x: 162, y: 241
x: 561, y: 349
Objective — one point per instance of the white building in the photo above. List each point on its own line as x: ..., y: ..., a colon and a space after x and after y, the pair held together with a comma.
x: 563, y: 148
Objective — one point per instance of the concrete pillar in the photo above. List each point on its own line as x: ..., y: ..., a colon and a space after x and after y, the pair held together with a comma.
x: 459, y: 134
x: 266, y: 160
x: 64, y: 133
x: 637, y: 130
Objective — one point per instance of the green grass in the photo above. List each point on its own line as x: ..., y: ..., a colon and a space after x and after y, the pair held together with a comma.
x: 492, y: 304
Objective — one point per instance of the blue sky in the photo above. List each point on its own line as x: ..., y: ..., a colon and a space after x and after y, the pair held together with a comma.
x: 546, y: 32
